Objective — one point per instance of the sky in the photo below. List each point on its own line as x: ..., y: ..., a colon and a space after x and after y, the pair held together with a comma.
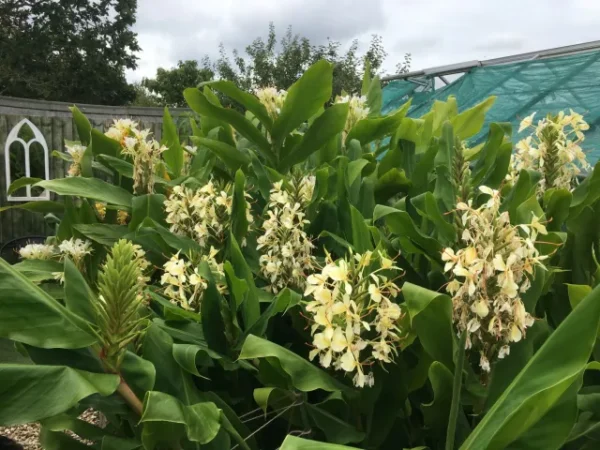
x: 435, y: 32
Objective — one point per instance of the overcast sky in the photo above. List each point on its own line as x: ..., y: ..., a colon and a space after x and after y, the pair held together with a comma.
x: 436, y: 32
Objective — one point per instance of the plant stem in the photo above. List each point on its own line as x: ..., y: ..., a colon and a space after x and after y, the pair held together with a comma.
x: 456, y: 388
x: 129, y: 396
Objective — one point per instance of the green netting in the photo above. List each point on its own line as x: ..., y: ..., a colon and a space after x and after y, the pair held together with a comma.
x: 546, y: 86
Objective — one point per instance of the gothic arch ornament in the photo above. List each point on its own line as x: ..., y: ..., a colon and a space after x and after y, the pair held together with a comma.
x: 38, y: 137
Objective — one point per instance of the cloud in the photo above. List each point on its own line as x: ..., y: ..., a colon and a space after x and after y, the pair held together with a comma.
x: 436, y: 32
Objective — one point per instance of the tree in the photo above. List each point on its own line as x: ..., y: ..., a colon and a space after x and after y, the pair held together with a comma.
x: 72, y: 50
x: 273, y: 63
x: 170, y: 83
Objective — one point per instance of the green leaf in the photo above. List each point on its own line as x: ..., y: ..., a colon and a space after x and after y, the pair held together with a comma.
x: 272, y: 396
x: 187, y: 356
x: 199, y: 103
x: 369, y: 130
x: 21, y: 182
x: 84, y: 128
x: 29, y: 393
x: 201, y: 421
x: 336, y: 430
x: 38, y: 206
x: 295, y: 443
x: 248, y: 101
x: 401, y: 224
x: 375, y: 97
x: 251, y: 305
x: 122, y: 167
x: 577, y: 292
x: 213, y: 323
x: 524, y: 188
x: 89, y: 188
x: 427, y: 206
x: 487, y: 162
x: 103, y: 233
x: 323, y: 129
x: 391, y: 183
x: 103, y: 145
x: 431, y: 317
x: 173, y: 156
x: 30, y: 315
x: 556, y: 204
x: 239, y: 220
x: 78, y: 295
x: 144, y: 206
x: 361, y: 238
x: 231, y: 156
x: 305, y: 377
x: 38, y: 270
x: 469, y: 122
x: 542, y: 382
x: 304, y: 99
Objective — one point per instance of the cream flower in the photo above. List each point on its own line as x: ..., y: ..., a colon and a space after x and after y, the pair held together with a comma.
x: 37, y: 251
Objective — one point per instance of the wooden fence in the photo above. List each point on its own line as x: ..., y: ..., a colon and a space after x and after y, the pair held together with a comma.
x: 54, y: 121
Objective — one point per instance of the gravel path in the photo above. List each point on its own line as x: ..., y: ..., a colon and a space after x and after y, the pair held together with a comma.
x: 27, y: 435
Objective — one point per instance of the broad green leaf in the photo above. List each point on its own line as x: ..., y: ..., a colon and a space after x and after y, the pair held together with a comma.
x: 556, y: 205
x: 391, y: 183
x: 117, y: 443
x: 469, y: 122
x: 361, y: 238
x: 21, y: 182
x: 122, y: 167
x: 305, y: 377
x: 444, y: 168
x: 586, y: 194
x: 103, y: 145
x: 542, y: 382
x: 369, y: 130
x: 577, y: 292
x: 29, y: 393
x: 213, y: 322
x: 173, y: 156
x: 201, y: 421
x: 427, y: 206
x: 375, y: 97
x: 187, y: 356
x: 323, y: 129
x: 78, y: 295
x: 276, y: 397
x: 251, y: 306
x: 336, y: 430
x: 524, y: 188
x: 401, y: 224
x: 199, y: 103
x: 284, y: 300
x: 248, y: 101
x: 239, y: 207
x: 38, y: 206
x: 431, y: 317
x: 30, y: 315
x: 488, y: 158
x: 304, y: 99
x: 84, y: 128
x: 231, y: 156
x: 144, y: 206
x: 53, y: 440
x: 38, y: 270
x: 139, y: 373
x: 295, y: 443
x: 103, y: 233
x: 89, y: 188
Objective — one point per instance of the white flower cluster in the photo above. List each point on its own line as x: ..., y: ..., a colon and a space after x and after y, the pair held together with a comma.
x: 203, y: 214
x: 353, y: 310
x: 552, y: 149
x: 488, y: 274
x: 37, y: 251
x: 272, y: 99
x: 357, y: 110
x: 75, y: 150
x: 144, y: 152
x: 185, y: 285
x: 76, y: 249
x: 286, y: 248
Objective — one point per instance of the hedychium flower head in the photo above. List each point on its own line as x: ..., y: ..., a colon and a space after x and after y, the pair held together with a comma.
x: 183, y: 283
x: 75, y: 150
x: 38, y: 251
x: 488, y: 273
x: 144, y: 152
x: 286, y: 249
x: 203, y: 214
x: 76, y: 249
x: 272, y: 99
x: 121, y: 283
x: 355, y: 321
x: 357, y: 110
x: 553, y: 149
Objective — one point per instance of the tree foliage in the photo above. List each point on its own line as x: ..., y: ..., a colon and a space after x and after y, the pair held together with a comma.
x: 70, y: 50
x: 273, y: 62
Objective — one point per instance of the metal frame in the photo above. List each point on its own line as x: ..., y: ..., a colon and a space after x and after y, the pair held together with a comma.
x: 38, y: 137
x: 440, y: 71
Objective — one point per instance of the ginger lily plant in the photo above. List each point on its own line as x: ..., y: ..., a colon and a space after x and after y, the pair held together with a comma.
x: 310, y: 276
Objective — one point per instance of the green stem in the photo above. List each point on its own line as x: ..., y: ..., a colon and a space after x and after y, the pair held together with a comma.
x: 456, y: 388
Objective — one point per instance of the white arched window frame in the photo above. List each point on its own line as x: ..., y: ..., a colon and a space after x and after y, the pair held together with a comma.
x: 38, y: 137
